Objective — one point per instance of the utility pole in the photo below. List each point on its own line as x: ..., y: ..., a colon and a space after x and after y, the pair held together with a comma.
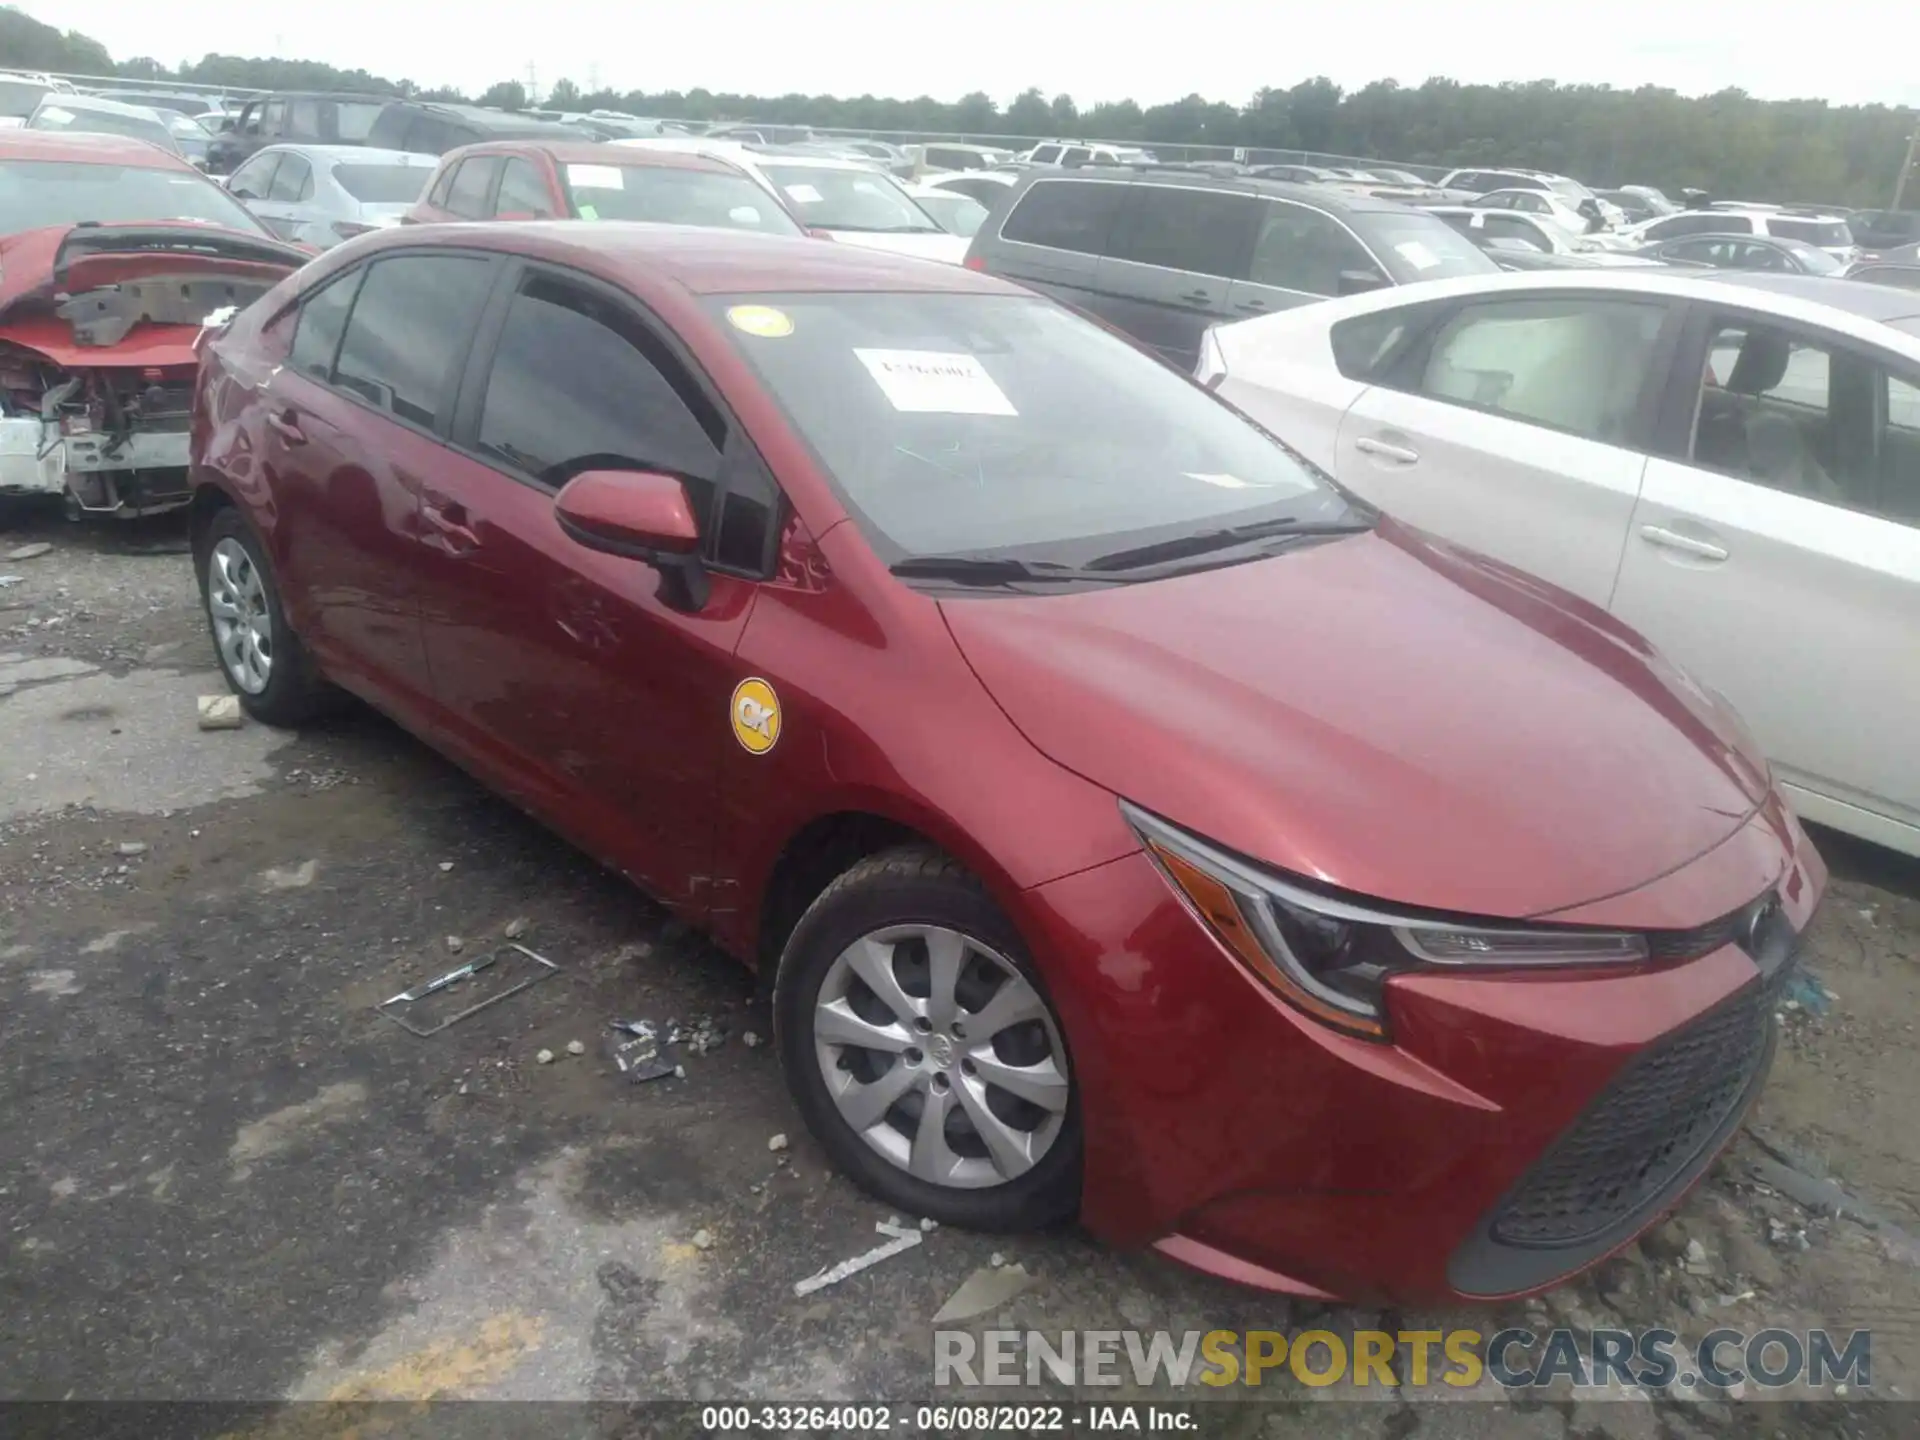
x: 1906, y: 169
x: 533, y: 86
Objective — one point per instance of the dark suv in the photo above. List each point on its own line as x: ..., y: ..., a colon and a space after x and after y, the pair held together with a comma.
x: 423, y: 128
x: 306, y: 119
x: 1162, y: 254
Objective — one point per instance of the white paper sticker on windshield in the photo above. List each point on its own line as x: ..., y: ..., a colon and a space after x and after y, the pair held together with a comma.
x: 596, y: 177
x: 935, y: 382
x: 1225, y: 482
x: 803, y: 194
x: 1416, y: 254
x: 56, y: 114
x: 744, y: 215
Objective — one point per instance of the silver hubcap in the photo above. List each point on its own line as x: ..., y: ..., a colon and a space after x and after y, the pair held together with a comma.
x: 941, y: 1055
x: 242, y: 628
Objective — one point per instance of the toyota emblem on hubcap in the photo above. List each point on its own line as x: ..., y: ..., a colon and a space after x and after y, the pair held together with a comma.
x: 941, y: 1049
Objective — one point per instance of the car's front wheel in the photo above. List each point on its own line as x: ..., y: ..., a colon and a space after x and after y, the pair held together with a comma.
x: 923, y: 1050
x: 262, y: 659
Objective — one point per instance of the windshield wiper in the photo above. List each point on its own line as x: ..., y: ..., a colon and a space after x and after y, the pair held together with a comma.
x: 1208, y: 541
x: 988, y: 570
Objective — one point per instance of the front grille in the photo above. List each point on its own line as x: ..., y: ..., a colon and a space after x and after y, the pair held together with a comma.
x: 1647, y: 1126
x: 1730, y: 929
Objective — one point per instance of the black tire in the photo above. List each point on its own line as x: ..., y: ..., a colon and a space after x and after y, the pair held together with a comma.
x: 294, y: 693
x: 904, y: 886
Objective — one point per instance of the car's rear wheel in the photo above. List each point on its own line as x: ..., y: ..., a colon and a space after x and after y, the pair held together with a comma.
x: 260, y: 656
x: 923, y: 1050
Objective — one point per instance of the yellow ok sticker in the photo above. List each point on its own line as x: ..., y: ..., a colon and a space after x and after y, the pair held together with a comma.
x: 756, y: 715
x: 762, y: 320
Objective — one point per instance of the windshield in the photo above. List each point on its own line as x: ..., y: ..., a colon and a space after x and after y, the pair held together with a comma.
x: 37, y: 193
x: 962, y: 424
x: 102, y: 122
x: 958, y: 214
x: 672, y: 196
x: 1813, y: 259
x: 1572, y: 189
x: 1813, y: 232
x: 185, y: 127
x: 1420, y: 247
x: 383, y: 184
x: 831, y: 199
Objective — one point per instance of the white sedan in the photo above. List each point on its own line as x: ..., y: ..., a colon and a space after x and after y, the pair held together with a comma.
x: 1729, y: 464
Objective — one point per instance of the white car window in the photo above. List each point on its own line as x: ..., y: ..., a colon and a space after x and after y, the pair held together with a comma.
x: 1572, y: 364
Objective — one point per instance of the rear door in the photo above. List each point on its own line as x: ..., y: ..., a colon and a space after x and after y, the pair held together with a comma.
x: 470, y: 196
x: 288, y: 198
x: 526, y: 192
x: 1775, y: 552
x: 565, y: 674
x: 1174, y: 255
x: 1518, y: 426
x: 1053, y: 237
x: 1300, y: 254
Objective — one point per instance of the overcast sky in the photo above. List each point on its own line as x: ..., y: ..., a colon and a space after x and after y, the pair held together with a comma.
x: 1150, y: 50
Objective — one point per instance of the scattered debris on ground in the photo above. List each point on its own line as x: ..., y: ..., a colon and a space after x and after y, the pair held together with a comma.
x: 221, y: 712
x: 986, y: 1289
x: 901, y: 1240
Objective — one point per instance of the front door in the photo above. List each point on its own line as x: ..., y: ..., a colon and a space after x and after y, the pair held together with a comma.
x: 1175, y: 252
x: 567, y: 675
x: 1516, y: 428
x: 1779, y: 560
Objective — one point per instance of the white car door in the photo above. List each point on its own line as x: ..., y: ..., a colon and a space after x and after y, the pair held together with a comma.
x: 1781, y: 564
x: 1518, y: 429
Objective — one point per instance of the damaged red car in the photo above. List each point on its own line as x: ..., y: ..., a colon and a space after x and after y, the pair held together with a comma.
x: 114, y: 254
x: 1129, y: 822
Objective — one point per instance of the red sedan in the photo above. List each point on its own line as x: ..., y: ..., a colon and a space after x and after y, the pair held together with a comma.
x: 1130, y: 822
x: 582, y: 180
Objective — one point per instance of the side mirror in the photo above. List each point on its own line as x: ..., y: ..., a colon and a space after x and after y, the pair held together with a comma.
x: 644, y: 516
x: 1359, y: 282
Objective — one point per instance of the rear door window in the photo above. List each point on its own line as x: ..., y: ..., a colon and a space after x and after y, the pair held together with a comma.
x: 323, y: 317
x: 1075, y: 155
x: 303, y: 120
x: 293, y: 181
x: 1045, y: 154
x: 467, y: 197
x: 409, y: 333
x: 1205, y: 232
x: 254, y: 180
x: 1073, y: 215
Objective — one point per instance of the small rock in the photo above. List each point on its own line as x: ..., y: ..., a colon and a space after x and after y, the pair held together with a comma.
x: 929, y: 1224
x: 679, y: 1072
x: 463, y: 1088
x: 576, y: 1047
x: 778, y: 1142
x: 702, y: 1239
x: 221, y: 712
x: 456, y: 944
x: 750, y: 1040
x: 445, y: 866
x: 515, y: 929
x: 754, y: 1189
x: 996, y: 1260
x: 30, y: 552
x: 545, y: 1057
x: 1696, y: 1259
x: 132, y: 847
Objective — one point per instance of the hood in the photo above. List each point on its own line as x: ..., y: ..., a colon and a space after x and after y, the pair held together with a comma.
x: 81, y: 293
x: 1387, y: 713
x: 950, y: 248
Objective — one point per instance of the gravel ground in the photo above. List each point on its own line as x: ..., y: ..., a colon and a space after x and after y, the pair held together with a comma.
x: 223, y: 1176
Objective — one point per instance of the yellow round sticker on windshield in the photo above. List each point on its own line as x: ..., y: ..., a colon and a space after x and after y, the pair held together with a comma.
x: 756, y: 715
x: 762, y: 320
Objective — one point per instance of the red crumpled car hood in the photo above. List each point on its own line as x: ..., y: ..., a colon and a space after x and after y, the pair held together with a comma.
x: 1386, y: 713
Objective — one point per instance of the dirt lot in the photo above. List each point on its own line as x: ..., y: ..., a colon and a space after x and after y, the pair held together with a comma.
x: 223, y: 1176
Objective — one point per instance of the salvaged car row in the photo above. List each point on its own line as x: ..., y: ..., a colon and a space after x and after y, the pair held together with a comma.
x: 1161, y: 610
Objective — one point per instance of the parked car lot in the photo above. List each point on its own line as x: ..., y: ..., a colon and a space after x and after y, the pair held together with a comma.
x: 1741, y: 522
x: 1163, y: 254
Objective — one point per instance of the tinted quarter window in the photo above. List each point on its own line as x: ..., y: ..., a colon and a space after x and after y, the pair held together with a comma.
x: 468, y: 197
x: 1302, y: 249
x: 1571, y: 364
x: 409, y: 331
x: 523, y: 191
x: 578, y: 384
x: 323, y: 316
x: 1066, y: 214
x: 1363, y: 345
x: 1203, y: 231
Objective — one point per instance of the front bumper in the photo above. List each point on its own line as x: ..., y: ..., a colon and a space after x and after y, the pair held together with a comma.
x: 1239, y: 1136
x: 143, y: 474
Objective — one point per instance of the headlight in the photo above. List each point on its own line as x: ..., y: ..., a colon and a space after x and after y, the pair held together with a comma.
x: 1331, y: 957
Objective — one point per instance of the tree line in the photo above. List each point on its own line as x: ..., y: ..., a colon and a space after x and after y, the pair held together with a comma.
x: 1728, y: 143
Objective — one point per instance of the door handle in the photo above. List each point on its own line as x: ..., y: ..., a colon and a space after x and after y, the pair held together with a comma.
x: 1382, y: 450
x: 1198, y: 297
x: 286, y: 424
x: 1672, y: 540
x: 449, y: 522
x: 1257, y: 306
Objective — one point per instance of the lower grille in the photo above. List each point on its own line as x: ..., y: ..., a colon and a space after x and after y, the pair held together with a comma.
x: 1646, y: 1127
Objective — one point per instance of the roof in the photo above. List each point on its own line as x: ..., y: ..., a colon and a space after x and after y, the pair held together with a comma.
x: 482, y: 118
x: 347, y: 154
x: 1321, y: 196
x: 592, y: 152
x: 85, y: 148
x: 100, y: 105
x: 707, y: 262
x: 1869, y: 302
